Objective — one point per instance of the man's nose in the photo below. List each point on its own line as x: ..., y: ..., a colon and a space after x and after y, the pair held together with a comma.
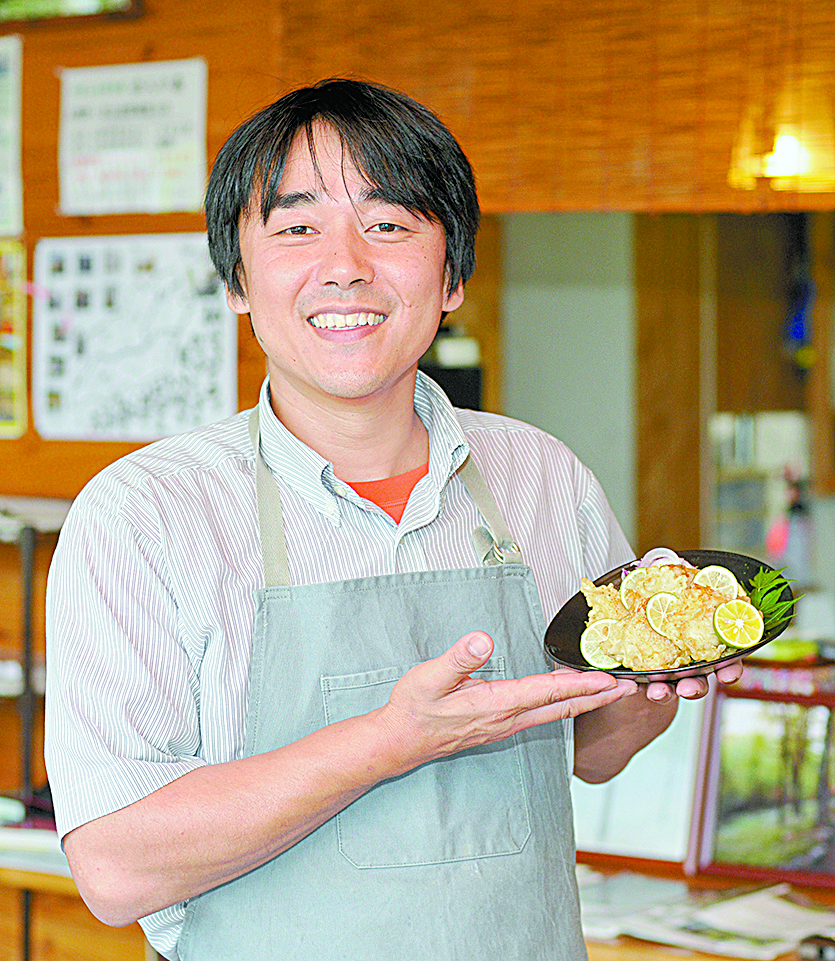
x: 346, y: 259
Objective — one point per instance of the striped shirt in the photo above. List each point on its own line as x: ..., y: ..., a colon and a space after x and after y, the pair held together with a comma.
x: 150, y: 595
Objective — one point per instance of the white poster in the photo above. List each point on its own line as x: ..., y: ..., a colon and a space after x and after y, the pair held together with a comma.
x: 647, y: 810
x: 132, y: 338
x: 133, y: 138
x: 11, y: 190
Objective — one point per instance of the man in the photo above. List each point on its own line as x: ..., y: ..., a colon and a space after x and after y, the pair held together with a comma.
x: 379, y: 768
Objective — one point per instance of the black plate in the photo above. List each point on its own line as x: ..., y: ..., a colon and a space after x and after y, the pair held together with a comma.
x: 562, y: 639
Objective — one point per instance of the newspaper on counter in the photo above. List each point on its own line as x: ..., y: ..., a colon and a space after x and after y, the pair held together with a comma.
x: 761, y: 924
x: 608, y: 903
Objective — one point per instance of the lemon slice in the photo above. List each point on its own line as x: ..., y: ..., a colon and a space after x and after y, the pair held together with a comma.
x: 719, y: 579
x: 738, y: 623
x: 660, y: 607
x: 590, y: 640
x: 630, y: 586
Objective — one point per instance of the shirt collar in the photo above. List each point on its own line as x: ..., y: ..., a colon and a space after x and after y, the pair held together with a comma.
x: 312, y: 477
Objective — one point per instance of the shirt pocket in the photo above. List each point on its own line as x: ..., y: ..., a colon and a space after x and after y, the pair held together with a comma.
x: 470, y: 805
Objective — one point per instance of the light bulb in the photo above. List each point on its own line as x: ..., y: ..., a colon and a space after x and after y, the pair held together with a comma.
x: 789, y: 159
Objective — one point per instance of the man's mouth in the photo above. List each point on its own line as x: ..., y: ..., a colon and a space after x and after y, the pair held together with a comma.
x: 346, y: 321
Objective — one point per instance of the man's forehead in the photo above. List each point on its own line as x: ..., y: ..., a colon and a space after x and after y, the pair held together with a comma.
x: 309, y: 166
x: 324, y: 151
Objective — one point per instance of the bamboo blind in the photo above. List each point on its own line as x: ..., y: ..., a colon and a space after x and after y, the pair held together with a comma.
x: 607, y: 104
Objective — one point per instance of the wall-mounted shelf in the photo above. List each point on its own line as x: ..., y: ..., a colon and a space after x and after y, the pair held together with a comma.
x: 22, y: 519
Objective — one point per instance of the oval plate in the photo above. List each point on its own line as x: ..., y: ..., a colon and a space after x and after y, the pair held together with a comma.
x: 562, y: 639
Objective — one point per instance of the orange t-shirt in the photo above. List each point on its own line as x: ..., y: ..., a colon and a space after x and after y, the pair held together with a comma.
x: 391, y: 493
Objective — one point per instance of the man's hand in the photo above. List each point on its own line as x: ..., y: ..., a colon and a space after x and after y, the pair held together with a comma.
x: 437, y: 708
x: 692, y: 688
x: 604, y: 742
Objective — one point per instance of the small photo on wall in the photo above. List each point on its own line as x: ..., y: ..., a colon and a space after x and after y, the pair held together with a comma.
x: 771, y: 789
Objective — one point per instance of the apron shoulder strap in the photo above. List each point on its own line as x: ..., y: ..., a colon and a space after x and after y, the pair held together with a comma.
x: 270, y: 517
x: 494, y: 544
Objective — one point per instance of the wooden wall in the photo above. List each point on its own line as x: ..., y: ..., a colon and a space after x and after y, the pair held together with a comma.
x: 616, y: 105
x: 668, y: 286
x: 736, y: 269
x: 755, y: 256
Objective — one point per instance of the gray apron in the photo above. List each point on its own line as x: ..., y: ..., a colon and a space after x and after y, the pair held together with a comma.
x: 467, y: 858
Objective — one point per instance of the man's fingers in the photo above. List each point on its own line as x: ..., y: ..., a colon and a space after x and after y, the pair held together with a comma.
x: 472, y: 651
x: 479, y: 644
x: 452, y: 711
x: 565, y: 705
x: 692, y: 688
x: 468, y: 654
x: 730, y: 673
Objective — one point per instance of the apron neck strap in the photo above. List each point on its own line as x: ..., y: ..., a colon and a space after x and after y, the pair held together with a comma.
x: 494, y: 543
x: 270, y: 515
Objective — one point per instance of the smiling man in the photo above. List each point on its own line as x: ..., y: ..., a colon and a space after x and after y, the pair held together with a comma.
x: 345, y: 290
x: 298, y: 705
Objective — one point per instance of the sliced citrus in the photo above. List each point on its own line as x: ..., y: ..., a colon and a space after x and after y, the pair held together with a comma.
x: 660, y: 608
x: 590, y: 640
x: 719, y: 579
x: 630, y: 586
x: 738, y: 623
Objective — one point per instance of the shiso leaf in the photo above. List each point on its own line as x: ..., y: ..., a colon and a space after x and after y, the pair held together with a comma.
x: 765, y: 589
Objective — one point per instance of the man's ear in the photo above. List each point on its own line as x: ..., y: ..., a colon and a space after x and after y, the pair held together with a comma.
x: 238, y: 303
x: 454, y: 300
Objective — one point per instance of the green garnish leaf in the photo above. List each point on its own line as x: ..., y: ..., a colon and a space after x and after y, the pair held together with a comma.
x: 765, y: 590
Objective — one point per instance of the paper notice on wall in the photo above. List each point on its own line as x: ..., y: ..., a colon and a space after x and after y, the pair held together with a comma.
x: 11, y: 190
x: 12, y: 338
x: 133, y: 138
x: 132, y: 338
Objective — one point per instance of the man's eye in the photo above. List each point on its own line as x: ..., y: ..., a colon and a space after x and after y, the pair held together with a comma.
x: 298, y: 230
x: 387, y: 228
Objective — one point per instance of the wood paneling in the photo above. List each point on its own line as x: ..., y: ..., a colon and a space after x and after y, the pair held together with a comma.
x: 173, y: 29
x: 62, y: 929
x: 754, y: 373
x: 616, y: 104
x: 821, y: 393
x: 668, y: 426
x: 480, y: 314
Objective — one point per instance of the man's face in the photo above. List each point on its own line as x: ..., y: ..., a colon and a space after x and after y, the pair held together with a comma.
x: 344, y: 290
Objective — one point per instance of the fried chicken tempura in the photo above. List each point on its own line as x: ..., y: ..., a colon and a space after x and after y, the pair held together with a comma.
x: 634, y: 643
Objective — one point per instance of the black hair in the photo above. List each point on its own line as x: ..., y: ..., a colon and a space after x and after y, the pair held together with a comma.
x: 398, y: 145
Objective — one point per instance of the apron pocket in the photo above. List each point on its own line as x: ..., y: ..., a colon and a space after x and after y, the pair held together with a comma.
x: 469, y: 805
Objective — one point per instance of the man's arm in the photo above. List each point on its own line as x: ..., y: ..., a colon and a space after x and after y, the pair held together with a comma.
x: 217, y: 822
x: 606, y: 740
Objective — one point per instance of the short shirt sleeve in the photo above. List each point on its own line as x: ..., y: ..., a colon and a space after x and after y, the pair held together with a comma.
x: 122, y: 706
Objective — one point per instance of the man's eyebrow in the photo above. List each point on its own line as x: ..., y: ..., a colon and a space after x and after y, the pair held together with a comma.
x: 307, y: 198
x: 298, y: 198
x: 372, y: 194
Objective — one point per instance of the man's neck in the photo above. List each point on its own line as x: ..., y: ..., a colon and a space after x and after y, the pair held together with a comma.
x: 367, y: 438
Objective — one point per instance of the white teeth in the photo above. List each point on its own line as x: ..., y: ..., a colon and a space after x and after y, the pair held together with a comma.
x: 339, y: 321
